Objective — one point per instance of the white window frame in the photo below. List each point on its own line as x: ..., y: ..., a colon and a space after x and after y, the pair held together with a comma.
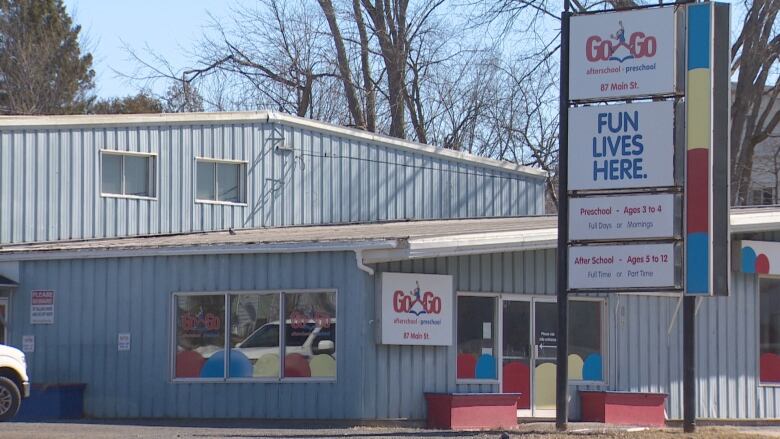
x: 242, y: 184
x: 152, y: 174
x: 282, y: 342
x: 499, y: 341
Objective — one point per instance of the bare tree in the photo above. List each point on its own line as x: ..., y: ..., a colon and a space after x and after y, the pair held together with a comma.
x: 269, y: 56
x: 389, y: 21
x: 345, y: 70
x: 754, y: 111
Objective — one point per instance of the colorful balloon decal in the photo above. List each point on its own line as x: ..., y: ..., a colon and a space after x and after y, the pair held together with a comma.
x: 486, y: 367
x: 754, y: 263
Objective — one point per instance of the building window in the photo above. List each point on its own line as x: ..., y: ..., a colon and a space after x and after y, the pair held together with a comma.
x: 253, y: 330
x: 200, y: 336
x: 586, y: 338
x: 762, y: 196
x: 220, y: 181
x: 477, y: 338
x: 769, y: 330
x: 127, y: 174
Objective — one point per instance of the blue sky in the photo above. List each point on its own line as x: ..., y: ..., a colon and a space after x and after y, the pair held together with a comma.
x: 169, y: 27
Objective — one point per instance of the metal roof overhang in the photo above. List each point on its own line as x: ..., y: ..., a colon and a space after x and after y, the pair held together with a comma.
x: 542, y: 234
x: 7, y: 283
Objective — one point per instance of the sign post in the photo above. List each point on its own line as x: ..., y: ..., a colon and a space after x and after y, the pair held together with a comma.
x: 562, y: 352
x: 707, y: 122
x: 644, y: 206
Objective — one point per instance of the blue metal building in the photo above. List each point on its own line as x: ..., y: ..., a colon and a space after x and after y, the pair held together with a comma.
x: 162, y: 239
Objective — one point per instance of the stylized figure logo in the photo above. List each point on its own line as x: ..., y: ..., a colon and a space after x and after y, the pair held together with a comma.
x: 416, y: 303
x: 618, y: 48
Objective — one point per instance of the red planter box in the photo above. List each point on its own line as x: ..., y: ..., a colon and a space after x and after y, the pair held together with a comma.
x: 472, y: 410
x: 626, y: 408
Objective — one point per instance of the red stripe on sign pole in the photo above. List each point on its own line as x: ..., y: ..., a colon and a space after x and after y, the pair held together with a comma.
x: 697, y: 192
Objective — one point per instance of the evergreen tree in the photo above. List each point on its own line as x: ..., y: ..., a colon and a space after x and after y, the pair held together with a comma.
x: 42, y: 69
x: 143, y: 102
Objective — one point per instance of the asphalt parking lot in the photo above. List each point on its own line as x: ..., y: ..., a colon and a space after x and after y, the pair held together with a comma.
x: 301, y: 430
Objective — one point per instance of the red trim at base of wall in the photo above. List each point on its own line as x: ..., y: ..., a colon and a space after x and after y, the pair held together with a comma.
x: 472, y: 410
x: 623, y: 408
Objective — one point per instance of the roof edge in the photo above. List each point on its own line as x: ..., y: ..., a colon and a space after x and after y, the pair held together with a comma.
x: 190, y: 250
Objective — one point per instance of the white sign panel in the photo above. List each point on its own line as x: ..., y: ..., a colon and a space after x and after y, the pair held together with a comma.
x: 417, y: 309
x: 42, y: 307
x: 123, y: 341
x: 622, y: 266
x: 621, y: 146
x: 28, y: 343
x: 622, y: 217
x: 622, y: 54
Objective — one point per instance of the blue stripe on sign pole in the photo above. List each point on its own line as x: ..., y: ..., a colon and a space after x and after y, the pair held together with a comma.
x: 699, y: 36
x: 697, y: 260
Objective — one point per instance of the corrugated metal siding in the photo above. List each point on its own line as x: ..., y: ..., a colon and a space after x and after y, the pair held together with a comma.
x: 96, y: 299
x: 404, y: 373
x: 50, y: 182
x: 646, y: 356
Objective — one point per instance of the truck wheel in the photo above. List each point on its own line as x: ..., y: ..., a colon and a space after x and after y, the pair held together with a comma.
x: 9, y: 399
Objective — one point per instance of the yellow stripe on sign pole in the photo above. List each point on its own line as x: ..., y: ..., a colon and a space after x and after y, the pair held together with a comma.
x: 698, y: 101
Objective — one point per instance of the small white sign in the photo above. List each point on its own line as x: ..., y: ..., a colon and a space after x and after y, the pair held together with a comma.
x: 614, y: 267
x: 622, y: 54
x: 123, y: 341
x: 622, y: 217
x: 417, y: 309
x: 621, y: 146
x: 42, y: 307
x: 28, y: 343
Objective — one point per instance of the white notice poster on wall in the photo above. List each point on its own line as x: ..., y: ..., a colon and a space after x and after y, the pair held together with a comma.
x: 416, y: 309
x: 622, y: 54
x: 621, y: 146
x: 42, y: 307
x: 123, y: 341
x: 28, y: 343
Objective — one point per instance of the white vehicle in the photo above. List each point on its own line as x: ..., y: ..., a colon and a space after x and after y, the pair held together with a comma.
x: 14, y: 384
x: 309, y: 340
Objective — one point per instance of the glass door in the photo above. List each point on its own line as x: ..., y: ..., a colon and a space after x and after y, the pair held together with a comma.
x: 545, y: 340
x: 517, y: 352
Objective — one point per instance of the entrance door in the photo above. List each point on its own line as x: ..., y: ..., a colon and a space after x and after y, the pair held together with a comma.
x: 529, y: 354
x: 517, y: 352
x: 545, y: 351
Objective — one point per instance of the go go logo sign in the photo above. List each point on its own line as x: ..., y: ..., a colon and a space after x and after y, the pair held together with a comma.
x: 618, y: 48
x: 416, y: 303
x: 201, y: 321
